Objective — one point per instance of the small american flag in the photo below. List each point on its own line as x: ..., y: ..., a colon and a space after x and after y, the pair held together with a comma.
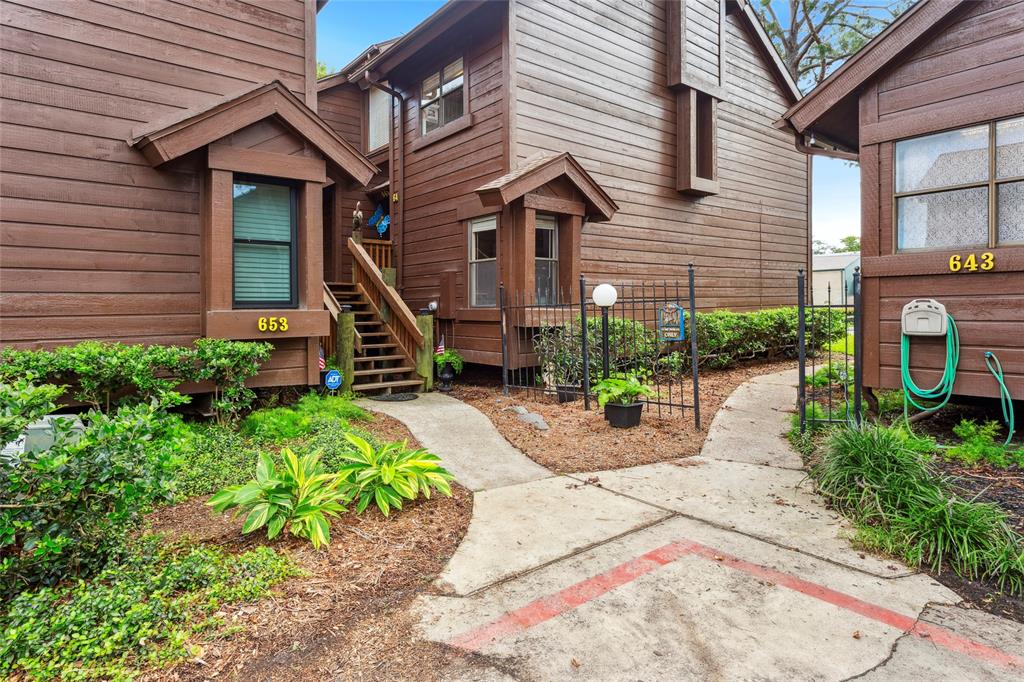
x: 323, y: 362
x: 439, y: 348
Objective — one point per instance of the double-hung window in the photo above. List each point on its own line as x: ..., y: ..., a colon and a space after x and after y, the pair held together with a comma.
x: 546, y: 260
x: 264, y: 259
x: 441, y: 97
x: 483, y: 262
x: 961, y: 188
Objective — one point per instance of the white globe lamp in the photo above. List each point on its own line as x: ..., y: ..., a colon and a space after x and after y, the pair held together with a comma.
x: 605, y: 296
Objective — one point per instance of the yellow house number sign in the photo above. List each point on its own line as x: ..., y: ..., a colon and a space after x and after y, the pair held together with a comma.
x: 971, y: 262
x: 272, y: 324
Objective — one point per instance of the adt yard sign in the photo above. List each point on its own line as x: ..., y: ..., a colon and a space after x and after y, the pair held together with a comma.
x: 332, y: 380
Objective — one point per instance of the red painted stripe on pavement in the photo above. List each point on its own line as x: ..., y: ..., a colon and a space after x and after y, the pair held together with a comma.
x: 546, y: 608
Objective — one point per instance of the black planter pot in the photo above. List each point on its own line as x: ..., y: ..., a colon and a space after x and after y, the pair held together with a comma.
x: 567, y: 393
x: 623, y: 416
x: 446, y: 376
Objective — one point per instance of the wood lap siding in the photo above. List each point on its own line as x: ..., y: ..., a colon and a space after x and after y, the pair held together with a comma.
x: 604, y: 100
x: 973, y: 58
x: 342, y: 109
x: 105, y: 245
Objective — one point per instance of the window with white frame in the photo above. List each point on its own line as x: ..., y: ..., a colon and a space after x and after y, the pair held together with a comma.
x: 546, y: 260
x: 961, y: 188
x: 441, y: 97
x: 483, y: 262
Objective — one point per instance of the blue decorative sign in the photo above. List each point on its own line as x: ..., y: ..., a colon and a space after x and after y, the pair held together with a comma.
x: 671, y: 323
x: 332, y: 380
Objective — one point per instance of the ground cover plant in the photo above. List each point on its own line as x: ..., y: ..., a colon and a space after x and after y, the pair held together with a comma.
x: 140, y: 611
x: 881, y: 477
x: 981, y: 444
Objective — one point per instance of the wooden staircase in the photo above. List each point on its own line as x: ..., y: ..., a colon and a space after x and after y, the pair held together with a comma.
x: 387, y: 338
x: 381, y: 365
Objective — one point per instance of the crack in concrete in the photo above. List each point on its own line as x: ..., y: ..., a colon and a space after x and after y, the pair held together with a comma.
x: 896, y: 642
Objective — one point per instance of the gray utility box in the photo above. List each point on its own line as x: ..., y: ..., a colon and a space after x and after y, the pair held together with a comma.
x: 39, y: 435
x: 924, y: 317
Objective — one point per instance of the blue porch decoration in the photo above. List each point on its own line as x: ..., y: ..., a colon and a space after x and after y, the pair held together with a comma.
x: 671, y: 323
x: 383, y: 225
x: 377, y: 215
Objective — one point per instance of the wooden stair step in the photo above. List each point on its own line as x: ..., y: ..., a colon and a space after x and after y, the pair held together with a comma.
x: 382, y: 370
x: 382, y: 333
x: 371, y: 358
x: 405, y: 383
x: 380, y: 345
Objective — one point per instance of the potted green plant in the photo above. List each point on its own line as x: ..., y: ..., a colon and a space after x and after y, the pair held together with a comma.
x: 618, y: 396
x: 448, y: 363
x: 559, y: 352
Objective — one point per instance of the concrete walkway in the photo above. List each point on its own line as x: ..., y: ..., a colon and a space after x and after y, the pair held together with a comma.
x: 724, y: 566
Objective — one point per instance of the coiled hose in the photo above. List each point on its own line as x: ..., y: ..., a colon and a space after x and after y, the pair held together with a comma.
x: 943, y: 390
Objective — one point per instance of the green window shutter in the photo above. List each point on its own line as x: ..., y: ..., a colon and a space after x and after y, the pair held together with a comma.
x: 263, y: 264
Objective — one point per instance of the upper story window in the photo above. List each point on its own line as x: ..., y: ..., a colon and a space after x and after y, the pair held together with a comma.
x: 378, y: 128
x: 546, y: 260
x: 483, y: 262
x: 960, y: 188
x: 264, y: 259
x: 441, y: 97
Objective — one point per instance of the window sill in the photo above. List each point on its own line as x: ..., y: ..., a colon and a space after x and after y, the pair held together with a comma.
x: 441, y: 133
x: 1007, y: 259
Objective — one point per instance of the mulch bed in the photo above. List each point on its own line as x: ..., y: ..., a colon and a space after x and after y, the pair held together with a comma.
x: 349, y: 619
x: 580, y: 441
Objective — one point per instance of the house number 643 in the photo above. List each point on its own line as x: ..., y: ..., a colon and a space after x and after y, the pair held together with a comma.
x: 272, y: 324
x: 971, y: 262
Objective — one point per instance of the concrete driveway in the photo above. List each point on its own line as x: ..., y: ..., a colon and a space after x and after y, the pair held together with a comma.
x: 719, y: 567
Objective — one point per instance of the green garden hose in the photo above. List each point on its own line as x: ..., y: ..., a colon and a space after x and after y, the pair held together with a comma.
x: 1005, y: 399
x: 941, y: 391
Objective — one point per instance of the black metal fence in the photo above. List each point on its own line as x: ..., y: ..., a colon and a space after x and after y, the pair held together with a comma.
x: 831, y: 366
x: 562, y: 344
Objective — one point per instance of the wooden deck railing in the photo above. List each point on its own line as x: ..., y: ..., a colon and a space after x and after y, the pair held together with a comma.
x: 380, y: 252
x: 367, y: 276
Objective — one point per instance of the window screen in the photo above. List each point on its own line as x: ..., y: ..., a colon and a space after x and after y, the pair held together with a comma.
x: 379, y: 125
x: 264, y: 235
x: 546, y: 260
x: 483, y: 262
x: 441, y: 97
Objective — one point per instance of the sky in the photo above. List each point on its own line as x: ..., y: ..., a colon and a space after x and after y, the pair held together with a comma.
x: 347, y: 27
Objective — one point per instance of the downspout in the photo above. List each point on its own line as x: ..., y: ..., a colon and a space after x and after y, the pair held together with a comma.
x: 399, y: 161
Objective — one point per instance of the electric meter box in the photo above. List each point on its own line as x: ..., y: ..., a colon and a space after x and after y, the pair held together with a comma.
x: 924, y: 317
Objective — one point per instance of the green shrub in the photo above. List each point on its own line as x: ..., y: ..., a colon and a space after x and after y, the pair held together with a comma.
x: 881, y: 478
x: 393, y: 472
x: 103, y: 372
x: 278, y: 424
x: 298, y: 495
x: 833, y: 374
x: 139, y: 612
x: 68, y: 506
x: 21, y: 403
x: 559, y: 351
x: 210, y: 457
x: 449, y: 356
x: 979, y: 446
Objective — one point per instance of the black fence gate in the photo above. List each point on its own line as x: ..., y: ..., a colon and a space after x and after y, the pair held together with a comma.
x: 562, y: 343
x: 829, y: 340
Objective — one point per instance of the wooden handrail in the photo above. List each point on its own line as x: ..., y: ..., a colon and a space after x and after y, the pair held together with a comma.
x: 379, y: 251
x: 366, y: 274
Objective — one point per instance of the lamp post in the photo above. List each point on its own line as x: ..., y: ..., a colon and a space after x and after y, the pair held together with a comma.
x: 604, y: 296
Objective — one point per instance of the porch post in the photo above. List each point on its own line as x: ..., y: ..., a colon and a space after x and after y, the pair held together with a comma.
x: 346, y: 346
x: 425, y: 354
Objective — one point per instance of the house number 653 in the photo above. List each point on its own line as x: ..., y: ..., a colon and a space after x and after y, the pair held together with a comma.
x: 971, y: 262
x: 272, y: 324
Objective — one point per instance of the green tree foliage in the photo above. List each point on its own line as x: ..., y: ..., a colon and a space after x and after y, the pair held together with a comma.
x: 814, y: 36
x: 848, y: 244
x: 322, y: 70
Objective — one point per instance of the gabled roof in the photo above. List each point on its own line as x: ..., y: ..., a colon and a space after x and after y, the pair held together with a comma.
x: 764, y: 45
x: 541, y: 169
x: 831, y: 109
x: 354, y: 68
x: 170, y: 138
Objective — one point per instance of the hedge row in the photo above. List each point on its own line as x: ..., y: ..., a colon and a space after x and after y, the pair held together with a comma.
x: 102, y: 372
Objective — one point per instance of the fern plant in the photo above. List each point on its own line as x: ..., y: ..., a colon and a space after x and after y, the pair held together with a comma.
x: 391, y: 473
x: 299, y: 495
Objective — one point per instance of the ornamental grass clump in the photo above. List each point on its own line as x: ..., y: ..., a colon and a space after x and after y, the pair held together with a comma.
x: 883, y: 480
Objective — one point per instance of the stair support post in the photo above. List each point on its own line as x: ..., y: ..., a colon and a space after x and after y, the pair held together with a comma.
x: 346, y: 347
x: 425, y: 353
x: 390, y: 276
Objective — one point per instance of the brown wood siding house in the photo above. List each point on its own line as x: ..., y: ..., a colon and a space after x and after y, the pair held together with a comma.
x: 934, y: 107
x: 643, y: 131
x: 126, y: 128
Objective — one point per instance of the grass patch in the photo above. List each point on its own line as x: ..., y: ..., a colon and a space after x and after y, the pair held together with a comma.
x: 843, y: 345
x: 278, y: 424
x: 141, y: 611
x: 881, y: 478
